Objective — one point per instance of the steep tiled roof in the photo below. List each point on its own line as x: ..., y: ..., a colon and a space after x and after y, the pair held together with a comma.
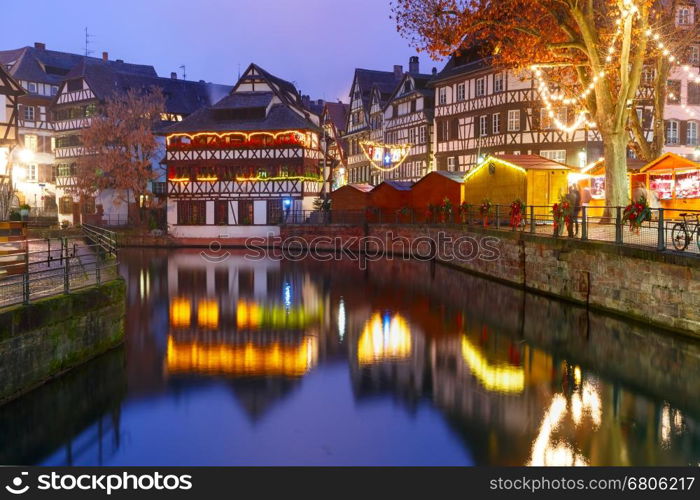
x: 51, y: 66
x: 457, y: 67
x: 181, y: 96
x: 245, y: 100
x: 337, y: 112
x: 280, y: 117
x: 368, y: 79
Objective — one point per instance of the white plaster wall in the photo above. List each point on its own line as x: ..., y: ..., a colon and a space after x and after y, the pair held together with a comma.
x: 210, y: 212
x: 224, y: 232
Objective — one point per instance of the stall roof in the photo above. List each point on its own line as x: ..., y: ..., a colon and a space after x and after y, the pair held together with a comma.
x: 397, y: 185
x: 365, y: 188
x: 453, y: 176
x: 671, y: 161
x: 529, y: 162
x: 598, y: 167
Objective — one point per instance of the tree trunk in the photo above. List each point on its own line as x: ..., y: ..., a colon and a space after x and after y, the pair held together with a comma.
x: 616, y: 182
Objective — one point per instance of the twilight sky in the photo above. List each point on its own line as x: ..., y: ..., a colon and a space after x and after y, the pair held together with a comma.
x: 314, y: 43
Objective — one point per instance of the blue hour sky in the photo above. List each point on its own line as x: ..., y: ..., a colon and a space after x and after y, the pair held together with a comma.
x: 314, y: 43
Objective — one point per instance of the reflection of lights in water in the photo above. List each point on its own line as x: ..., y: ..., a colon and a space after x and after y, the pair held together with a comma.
x: 577, y: 376
x: 144, y: 284
x: 208, y: 314
x: 180, y: 313
x: 247, y: 359
x: 248, y: 315
x: 591, y: 403
x: 501, y: 378
x: 287, y: 295
x: 677, y: 421
x: 665, y: 425
x: 341, y: 319
x: 384, y: 339
x: 576, y: 408
x: 545, y: 452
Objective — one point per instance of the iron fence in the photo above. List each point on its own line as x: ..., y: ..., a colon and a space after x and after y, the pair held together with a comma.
x: 663, y: 229
x: 33, y: 269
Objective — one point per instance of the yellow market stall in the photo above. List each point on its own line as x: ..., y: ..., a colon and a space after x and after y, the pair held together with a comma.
x: 591, y: 183
x: 502, y: 179
x: 674, y: 183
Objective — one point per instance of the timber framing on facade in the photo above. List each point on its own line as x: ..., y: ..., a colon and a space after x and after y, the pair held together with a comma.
x: 248, y: 160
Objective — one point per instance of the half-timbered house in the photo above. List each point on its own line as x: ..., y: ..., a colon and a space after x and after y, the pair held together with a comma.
x: 80, y: 95
x: 408, y: 120
x: 40, y: 72
x: 10, y: 92
x: 239, y: 167
x: 334, y: 120
x: 481, y: 109
x: 369, y: 92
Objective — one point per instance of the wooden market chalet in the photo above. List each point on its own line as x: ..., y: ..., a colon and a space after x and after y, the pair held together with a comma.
x: 238, y: 167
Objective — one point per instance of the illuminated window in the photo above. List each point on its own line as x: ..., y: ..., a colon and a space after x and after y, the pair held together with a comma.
x: 65, y: 205
x: 221, y: 213
x: 30, y: 142
x: 32, y: 173
x: 192, y: 213
x: 451, y: 164
x: 694, y: 57
x: 674, y: 92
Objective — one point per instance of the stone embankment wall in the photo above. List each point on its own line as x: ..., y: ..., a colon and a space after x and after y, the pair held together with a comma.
x: 658, y: 288
x: 51, y: 335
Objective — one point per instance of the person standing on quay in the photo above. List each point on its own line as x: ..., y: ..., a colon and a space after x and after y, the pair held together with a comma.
x: 575, y: 200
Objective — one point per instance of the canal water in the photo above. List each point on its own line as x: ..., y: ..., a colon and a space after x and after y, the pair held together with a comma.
x: 233, y: 361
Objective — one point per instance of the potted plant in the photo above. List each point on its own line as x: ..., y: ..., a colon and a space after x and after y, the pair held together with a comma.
x: 516, y: 213
x: 24, y: 211
x: 562, y: 215
x: 446, y: 209
x: 485, y: 210
x: 636, y: 213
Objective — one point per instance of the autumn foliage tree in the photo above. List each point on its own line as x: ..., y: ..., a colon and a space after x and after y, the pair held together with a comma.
x: 569, y: 41
x: 120, y: 146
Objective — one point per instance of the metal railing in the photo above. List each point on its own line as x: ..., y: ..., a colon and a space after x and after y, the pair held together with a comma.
x: 105, y: 238
x: 52, y: 266
x: 665, y: 229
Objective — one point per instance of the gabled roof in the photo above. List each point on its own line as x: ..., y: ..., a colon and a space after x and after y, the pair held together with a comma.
x: 52, y: 66
x: 337, y: 113
x: 671, y: 161
x: 245, y: 100
x: 457, y: 177
x: 8, y: 85
x: 364, y: 188
x: 529, y: 162
x: 420, y: 87
x: 368, y: 79
x: 397, y: 185
x: 181, y: 96
x: 459, y: 65
x: 284, y: 113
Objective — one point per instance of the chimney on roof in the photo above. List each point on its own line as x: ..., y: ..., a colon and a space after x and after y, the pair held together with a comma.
x: 414, y: 65
x: 434, y: 70
x: 306, y: 101
x: 40, y: 45
x: 173, y: 75
x: 398, y: 72
x: 105, y: 56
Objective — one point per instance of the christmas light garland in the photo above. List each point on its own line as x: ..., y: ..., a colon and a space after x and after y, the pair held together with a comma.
x: 629, y: 10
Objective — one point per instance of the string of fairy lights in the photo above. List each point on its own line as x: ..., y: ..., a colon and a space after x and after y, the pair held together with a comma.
x: 628, y: 10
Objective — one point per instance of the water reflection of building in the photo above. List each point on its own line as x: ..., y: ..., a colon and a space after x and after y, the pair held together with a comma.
x: 248, y: 322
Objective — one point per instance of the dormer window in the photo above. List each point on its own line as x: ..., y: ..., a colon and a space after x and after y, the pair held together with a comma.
x: 31, y: 87
x: 407, y: 87
x: 685, y: 16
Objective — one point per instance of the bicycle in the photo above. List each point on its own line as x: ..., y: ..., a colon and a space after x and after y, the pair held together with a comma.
x: 682, y: 233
